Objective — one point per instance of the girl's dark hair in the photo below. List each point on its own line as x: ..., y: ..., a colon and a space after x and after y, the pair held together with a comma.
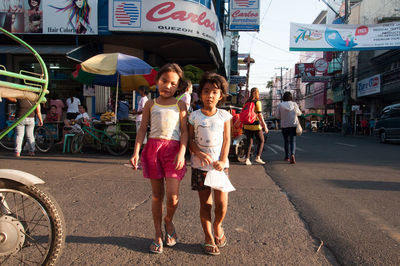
x: 184, y: 85
x: 254, y: 95
x: 171, y: 67
x: 287, y: 96
x: 218, y: 81
x: 144, y: 88
x: 32, y: 7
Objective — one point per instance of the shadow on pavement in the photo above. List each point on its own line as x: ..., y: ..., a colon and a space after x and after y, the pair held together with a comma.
x: 371, y: 185
x: 138, y: 244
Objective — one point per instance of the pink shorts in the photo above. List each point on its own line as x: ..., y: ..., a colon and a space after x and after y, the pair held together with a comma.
x: 158, y: 158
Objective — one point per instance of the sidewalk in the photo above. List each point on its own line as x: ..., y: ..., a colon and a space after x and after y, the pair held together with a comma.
x: 107, y: 211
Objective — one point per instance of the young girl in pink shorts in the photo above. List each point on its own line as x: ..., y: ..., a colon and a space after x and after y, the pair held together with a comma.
x: 163, y: 157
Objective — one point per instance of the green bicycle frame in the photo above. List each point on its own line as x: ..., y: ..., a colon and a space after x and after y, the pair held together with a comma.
x: 104, y: 134
x: 41, y: 89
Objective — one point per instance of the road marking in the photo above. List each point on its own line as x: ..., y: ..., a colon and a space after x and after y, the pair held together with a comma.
x: 381, y: 224
x: 272, y: 149
x: 280, y: 148
x: 345, y: 144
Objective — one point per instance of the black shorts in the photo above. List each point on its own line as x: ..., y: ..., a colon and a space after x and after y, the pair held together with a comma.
x: 198, y: 177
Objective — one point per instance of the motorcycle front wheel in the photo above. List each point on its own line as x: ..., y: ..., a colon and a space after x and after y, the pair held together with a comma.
x: 32, y: 226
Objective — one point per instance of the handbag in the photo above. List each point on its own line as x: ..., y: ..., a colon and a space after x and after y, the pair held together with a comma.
x: 299, y: 129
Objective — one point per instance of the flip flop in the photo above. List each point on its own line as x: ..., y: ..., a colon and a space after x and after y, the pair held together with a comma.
x: 159, y: 247
x: 171, y: 237
x: 223, y: 244
x: 213, y: 253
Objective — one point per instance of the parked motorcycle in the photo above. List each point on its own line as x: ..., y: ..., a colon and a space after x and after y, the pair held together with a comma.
x: 32, y: 227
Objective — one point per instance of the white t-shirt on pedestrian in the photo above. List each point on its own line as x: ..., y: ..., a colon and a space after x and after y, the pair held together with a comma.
x: 73, y: 107
x: 209, y: 135
x: 141, y: 104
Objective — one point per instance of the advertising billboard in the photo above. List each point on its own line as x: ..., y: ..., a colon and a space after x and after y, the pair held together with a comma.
x: 368, y: 86
x: 173, y: 17
x: 244, y: 15
x: 49, y: 16
x: 344, y: 37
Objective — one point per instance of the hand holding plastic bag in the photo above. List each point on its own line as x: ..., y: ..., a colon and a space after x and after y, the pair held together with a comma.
x: 219, y: 181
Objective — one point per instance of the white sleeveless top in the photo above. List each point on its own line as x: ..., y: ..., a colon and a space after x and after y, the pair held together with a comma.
x: 164, y: 122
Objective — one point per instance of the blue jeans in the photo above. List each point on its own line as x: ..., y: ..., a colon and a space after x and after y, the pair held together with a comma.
x: 289, y: 138
x: 26, y: 126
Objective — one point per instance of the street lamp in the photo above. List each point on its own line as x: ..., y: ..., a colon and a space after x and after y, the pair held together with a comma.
x: 248, y: 60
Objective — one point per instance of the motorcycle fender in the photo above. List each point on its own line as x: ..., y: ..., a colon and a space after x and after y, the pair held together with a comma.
x: 20, y: 177
x: 238, y: 139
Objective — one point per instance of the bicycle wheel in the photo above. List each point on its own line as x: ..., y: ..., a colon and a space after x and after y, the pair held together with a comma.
x: 43, y: 139
x: 32, y: 226
x: 118, y: 143
x: 77, y: 143
x: 8, y: 143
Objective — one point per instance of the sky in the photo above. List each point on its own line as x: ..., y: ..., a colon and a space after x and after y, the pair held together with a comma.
x: 270, y: 46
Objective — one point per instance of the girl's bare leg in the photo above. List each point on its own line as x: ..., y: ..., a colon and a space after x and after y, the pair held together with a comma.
x: 206, y: 202
x: 172, y: 198
x: 221, y: 207
x: 157, y: 188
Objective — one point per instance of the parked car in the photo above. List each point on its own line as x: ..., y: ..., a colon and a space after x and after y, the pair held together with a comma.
x: 388, y: 125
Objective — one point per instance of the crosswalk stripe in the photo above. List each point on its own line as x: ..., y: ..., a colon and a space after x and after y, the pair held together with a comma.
x: 272, y: 149
x: 345, y: 144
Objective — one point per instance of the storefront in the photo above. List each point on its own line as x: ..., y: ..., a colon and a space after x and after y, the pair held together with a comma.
x: 184, y: 32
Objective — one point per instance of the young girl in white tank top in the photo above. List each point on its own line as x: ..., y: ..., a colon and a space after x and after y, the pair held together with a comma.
x: 163, y: 157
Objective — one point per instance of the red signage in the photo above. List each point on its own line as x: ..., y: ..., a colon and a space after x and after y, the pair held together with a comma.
x: 304, y: 70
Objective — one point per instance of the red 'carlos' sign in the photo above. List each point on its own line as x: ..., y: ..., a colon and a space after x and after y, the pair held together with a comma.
x: 171, y: 17
x: 167, y: 10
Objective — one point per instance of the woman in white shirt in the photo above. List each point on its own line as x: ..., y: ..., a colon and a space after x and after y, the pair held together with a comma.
x: 72, y: 107
x: 287, y: 111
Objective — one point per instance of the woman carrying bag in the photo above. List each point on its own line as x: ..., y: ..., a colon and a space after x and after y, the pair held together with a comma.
x: 287, y: 111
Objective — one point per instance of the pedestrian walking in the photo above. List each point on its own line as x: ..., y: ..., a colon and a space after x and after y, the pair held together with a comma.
x: 209, y: 141
x: 364, y: 126
x: 371, y: 126
x: 163, y: 157
x: 255, y: 130
x: 27, y: 126
x: 287, y: 111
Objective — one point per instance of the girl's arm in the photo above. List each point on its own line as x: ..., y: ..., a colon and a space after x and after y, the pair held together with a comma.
x: 141, y: 133
x: 204, y: 157
x: 180, y: 158
x: 261, y: 119
x: 223, y: 157
x: 39, y: 114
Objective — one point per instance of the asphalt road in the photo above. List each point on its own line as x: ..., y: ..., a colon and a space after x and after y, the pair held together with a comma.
x: 347, y: 189
x: 107, y: 212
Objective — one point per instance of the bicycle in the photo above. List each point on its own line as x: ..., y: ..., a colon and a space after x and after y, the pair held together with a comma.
x: 116, y: 143
x: 32, y: 226
x: 44, y: 140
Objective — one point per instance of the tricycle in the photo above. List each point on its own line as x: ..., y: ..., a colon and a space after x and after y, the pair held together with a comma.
x: 32, y: 227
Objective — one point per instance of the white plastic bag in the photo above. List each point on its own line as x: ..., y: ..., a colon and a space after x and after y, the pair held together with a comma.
x: 219, y: 181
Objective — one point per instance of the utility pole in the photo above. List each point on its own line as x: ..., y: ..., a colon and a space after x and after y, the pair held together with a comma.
x: 281, y: 68
x: 346, y: 90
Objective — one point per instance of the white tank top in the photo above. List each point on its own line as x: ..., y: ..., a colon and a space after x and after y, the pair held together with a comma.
x: 164, y: 122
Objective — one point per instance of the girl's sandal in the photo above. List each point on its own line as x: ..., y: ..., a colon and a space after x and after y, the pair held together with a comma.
x: 171, y: 237
x: 222, y: 241
x: 158, y: 248
x: 211, y: 251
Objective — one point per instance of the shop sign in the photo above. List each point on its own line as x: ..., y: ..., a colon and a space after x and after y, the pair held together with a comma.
x: 338, y: 95
x: 244, y: 15
x: 316, y: 79
x: 368, y: 86
x: 355, y: 107
x: 172, y: 17
x: 304, y: 70
x: 344, y: 37
x: 237, y: 79
x: 49, y: 17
